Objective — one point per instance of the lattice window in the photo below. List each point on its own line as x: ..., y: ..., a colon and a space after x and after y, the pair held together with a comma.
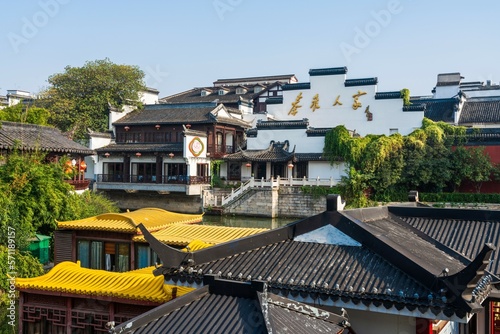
x: 83, y: 321
x: 44, y: 320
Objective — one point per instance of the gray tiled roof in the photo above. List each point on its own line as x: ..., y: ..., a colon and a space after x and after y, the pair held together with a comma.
x: 361, y: 82
x: 438, y: 109
x: 181, y: 113
x: 30, y: 137
x: 276, y: 152
x: 395, y: 265
x: 328, y: 71
x: 480, y: 111
x: 466, y: 233
x: 223, y: 306
x: 141, y: 147
x: 230, y: 97
x: 388, y: 95
x: 268, y: 78
x: 296, y: 86
x: 290, y: 124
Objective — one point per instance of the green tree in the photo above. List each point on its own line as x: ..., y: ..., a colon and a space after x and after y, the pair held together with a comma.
x: 471, y: 164
x: 80, y: 97
x: 430, y: 159
x: 34, y: 195
x: 25, y: 114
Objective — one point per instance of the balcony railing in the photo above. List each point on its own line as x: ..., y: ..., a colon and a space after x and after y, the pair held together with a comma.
x: 221, y: 149
x: 166, y: 179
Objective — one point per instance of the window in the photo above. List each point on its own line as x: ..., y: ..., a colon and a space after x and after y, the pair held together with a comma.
x: 96, y: 254
x: 175, y: 173
x: 393, y: 131
x: 109, y: 256
x: 143, y: 172
x: 202, y: 169
x: 89, y: 253
x: 241, y: 90
x: 113, y: 172
x: 83, y: 253
x: 234, y: 171
x: 257, y: 89
x: 218, y: 141
x: 146, y: 257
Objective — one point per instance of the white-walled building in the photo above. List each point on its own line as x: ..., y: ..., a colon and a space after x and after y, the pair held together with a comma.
x: 290, y: 143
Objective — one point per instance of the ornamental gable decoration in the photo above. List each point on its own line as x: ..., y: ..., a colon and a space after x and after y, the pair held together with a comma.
x: 196, y: 146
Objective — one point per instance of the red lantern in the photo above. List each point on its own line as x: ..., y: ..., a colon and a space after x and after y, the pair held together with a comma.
x: 83, y: 166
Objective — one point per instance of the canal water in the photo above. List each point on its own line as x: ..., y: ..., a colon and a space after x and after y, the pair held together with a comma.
x: 244, y: 221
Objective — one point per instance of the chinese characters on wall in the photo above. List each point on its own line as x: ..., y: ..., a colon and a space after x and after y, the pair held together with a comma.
x: 315, y: 104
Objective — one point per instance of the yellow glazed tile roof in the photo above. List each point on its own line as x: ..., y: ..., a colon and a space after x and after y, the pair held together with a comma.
x: 196, y: 245
x: 182, y: 234
x: 70, y: 277
x: 127, y: 222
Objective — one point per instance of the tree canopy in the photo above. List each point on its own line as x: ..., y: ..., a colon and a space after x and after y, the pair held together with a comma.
x: 79, y: 98
x: 430, y: 159
x: 34, y: 195
x: 25, y: 114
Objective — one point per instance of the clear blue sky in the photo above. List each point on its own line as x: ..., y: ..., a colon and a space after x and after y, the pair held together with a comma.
x: 186, y: 44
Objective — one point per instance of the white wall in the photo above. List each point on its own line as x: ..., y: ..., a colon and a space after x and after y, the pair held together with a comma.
x: 148, y: 97
x: 98, y: 142
x: 324, y: 170
x: 387, y: 113
x: 445, y: 92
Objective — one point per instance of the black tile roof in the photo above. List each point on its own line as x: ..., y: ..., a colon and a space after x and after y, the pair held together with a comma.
x: 274, y: 100
x: 415, y: 107
x: 388, y: 95
x: 296, y: 86
x: 31, y: 137
x: 291, y: 124
x: 300, y: 157
x: 224, y: 306
x: 141, y: 147
x: 480, y: 111
x: 317, y: 132
x: 246, y: 80
x: 361, y: 82
x: 328, y: 71
x: 465, y: 232
x: 437, y: 109
x: 276, y: 152
x: 178, y: 113
x: 230, y: 97
x: 396, y: 266
x: 252, y: 133
x: 484, y: 136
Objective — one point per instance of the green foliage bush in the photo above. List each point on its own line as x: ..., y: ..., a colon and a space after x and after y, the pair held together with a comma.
x: 459, y: 197
x: 432, y: 159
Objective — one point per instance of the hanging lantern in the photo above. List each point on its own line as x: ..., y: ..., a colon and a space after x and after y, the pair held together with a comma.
x: 107, y: 154
x: 157, y: 126
x: 127, y: 128
x: 290, y: 165
x: 83, y: 166
x: 248, y: 164
x: 171, y: 155
x: 138, y: 154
